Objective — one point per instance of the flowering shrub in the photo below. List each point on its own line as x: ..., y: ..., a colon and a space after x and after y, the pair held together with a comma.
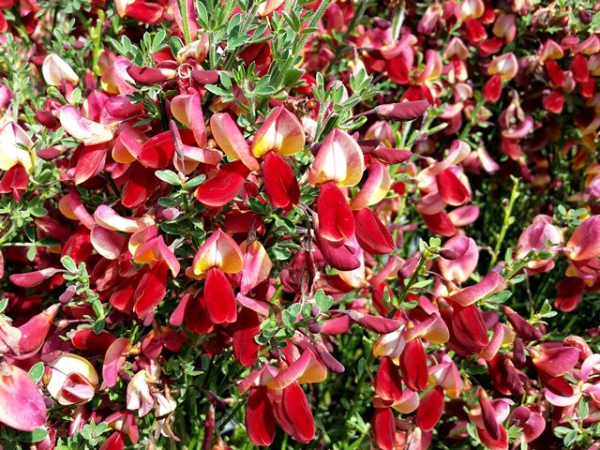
x: 310, y: 224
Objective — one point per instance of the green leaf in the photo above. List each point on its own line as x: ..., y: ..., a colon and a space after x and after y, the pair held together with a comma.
x: 323, y: 301
x: 3, y: 305
x: 37, y: 372
x: 38, y: 211
x: 500, y: 297
x: 69, y: 264
x: 31, y: 252
x: 99, y: 326
x: 33, y: 436
x: 216, y: 90
x: 194, y: 182
x: 168, y: 176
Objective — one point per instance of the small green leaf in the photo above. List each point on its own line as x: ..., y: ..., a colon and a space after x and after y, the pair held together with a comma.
x: 323, y: 301
x: 168, y: 176
x: 33, y: 436
x: 37, y: 372
x: 3, y: 305
x: 38, y: 211
x: 69, y: 264
x: 31, y: 252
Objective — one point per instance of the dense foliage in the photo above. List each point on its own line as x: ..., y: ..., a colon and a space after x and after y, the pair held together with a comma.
x: 332, y: 224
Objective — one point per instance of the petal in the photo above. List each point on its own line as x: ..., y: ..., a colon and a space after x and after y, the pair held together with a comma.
x: 413, y: 365
x: 460, y: 268
x: 187, y: 109
x: 492, y: 283
x: 257, y: 266
x: 294, y: 415
x: 375, y: 324
x: 113, y: 360
x: 221, y: 251
x: 66, y: 364
x: 371, y: 234
x: 384, y: 428
x: 108, y: 218
x: 247, y: 327
x: 402, y: 111
x: 220, y: 303
x: 224, y: 187
x: 430, y: 410
x: 375, y: 188
x: 388, y: 382
x: 336, y: 222
x: 260, y: 421
x: 90, y: 162
x: 23, y: 406
x: 55, y: 70
x: 108, y: 244
x: 85, y: 130
x: 339, y: 159
x: 157, y: 152
x: 281, y: 133
x: 87, y: 340
x: 585, y: 241
x: 292, y: 373
x: 451, y: 188
x: 231, y: 141
x: 280, y: 182
x: 340, y: 255
x: 151, y: 289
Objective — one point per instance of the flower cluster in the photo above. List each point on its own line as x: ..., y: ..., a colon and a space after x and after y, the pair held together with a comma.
x: 311, y: 224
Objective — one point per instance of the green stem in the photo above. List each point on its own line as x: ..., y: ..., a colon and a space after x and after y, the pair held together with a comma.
x: 184, y: 20
x: 507, y: 221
